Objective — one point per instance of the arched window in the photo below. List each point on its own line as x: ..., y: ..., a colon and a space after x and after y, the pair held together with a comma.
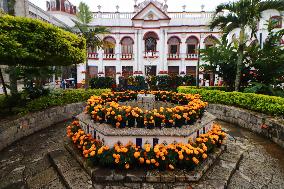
x: 276, y: 21
x: 127, y: 45
x: 174, y: 45
x: 210, y: 41
x: 67, y: 6
x: 151, y: 41
x: 191, y: 44
x: 110, y: 45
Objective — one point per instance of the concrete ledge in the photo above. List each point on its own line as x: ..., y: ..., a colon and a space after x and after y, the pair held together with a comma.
x: 105, y: 175
x: 268, y: 126
x: 14, y: 130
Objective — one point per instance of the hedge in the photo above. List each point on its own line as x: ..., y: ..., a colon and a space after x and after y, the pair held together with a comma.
x: 60, y: 97
x: 256, y: 102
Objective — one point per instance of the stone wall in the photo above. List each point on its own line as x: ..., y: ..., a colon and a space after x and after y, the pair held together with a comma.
x: 11, y: 131
x: 263, y: 124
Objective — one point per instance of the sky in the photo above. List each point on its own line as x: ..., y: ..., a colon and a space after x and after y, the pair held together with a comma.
x: 127, y: 5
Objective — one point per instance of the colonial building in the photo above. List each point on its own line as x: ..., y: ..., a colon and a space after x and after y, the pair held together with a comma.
x: 150, y: 41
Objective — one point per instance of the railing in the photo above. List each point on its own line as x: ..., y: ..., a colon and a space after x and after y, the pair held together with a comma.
x: 191, y: 56
x: 109, y: 56
x: 191, y: 14
x: 174, y: 56
x: 151, y: 54
x: 126, y: 56
x: 112, y: 15
x: 94, y: 56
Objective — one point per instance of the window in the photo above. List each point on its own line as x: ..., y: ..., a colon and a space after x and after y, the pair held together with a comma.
x: 150, y: 44
x: 191, y: 49
x: 127, y: 45
x: 127, y: 71
x: 210, y: 41
x: 174, y: 45
x: 93, y: 71
x: 110, y: 71
x: 110, y: 49
x: 191, y: 43
x: 276, y: 21
x: 173, y: 70
x: 150, y: 41
x: 191, y: 70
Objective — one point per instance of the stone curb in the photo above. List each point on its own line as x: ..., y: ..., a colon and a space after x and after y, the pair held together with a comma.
x: 265, y: 125
x: 152, y: 176
x: 13, y: 130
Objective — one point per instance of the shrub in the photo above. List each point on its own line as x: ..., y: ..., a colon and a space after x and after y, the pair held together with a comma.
x: 260, y: 103
x: 102, y: 82
x: 55, y: 98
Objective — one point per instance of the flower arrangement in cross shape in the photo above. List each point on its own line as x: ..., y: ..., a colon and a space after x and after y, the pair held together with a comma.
x: 106, y: 108
x: 160, y: 156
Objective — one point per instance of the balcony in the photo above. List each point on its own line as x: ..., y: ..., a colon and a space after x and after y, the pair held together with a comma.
x: 126, y: 56
x: 109, y: 56
x: 191, y: 57
x: 93, y: 56
x: 174, y: 57
x: 151, y: 54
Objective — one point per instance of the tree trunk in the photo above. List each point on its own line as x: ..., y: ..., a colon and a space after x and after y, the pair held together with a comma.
x: 87, y: 73
x: 3, y: 83
x: 240, y: 61
x: 13, y: 81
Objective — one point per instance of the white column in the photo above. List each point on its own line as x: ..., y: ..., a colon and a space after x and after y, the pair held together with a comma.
x: 183, y: 54
x: 136, y: 51
x: 162, y: 53
x: 100, y: 56
x: 165, y: 62
x: 118, y: 68
x: 140, y: 49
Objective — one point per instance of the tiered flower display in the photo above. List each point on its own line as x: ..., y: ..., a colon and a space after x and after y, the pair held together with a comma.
x: 106, y: 108
x: 160, y: 156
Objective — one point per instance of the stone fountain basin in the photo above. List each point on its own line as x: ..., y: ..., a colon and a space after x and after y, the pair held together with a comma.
x: 139, y: 136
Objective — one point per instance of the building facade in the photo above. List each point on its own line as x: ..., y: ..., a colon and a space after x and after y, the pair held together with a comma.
x: 150, y: 41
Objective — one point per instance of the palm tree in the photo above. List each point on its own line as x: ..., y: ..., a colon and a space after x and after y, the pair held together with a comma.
x: 243, y: 15
x: 91, y: 34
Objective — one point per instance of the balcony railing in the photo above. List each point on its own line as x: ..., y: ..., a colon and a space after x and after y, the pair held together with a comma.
x: 174, y: 57
x: 109, y: 56
x: 151, y: 54
x: 191, y: 56
x: 126, y: 56
x: 94, y: 56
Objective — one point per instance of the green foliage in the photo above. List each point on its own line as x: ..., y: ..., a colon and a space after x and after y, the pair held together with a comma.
x: 31, y: 42
x: 13, y: 105
x: 220, y: 88
x: 102, y: 82
x: 84, y: 14
x: 224, y: 57
x: 257, y: 102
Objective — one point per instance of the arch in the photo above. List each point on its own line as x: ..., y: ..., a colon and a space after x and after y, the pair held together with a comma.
x: 175, y: 40
x: 110, y: 39
x: 210, y: 40
x: 192, y: 40
x: 151, y: 34
x: 277, y: 20
x: 126, y: 40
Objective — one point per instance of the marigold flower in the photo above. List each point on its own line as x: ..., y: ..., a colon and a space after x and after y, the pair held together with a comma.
x: 153, y: 161
x: 136, y: 154
x: 204, y: 156
x: 141, y: 160
x: 171, y: 167
x: 148, y: 161
x: 127, y: 166
x: 93, y: 153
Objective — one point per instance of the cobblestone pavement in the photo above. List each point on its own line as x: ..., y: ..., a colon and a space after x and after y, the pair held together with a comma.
x: 25, y: 164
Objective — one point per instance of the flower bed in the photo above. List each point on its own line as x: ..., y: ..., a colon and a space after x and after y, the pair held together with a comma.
x: 171, y: 156
x: 106, y: 108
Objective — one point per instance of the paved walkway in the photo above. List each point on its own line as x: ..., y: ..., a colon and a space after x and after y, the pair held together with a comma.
x: 25, y: 164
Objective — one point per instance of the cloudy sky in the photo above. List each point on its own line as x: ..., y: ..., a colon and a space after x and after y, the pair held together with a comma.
x: 127, y: 5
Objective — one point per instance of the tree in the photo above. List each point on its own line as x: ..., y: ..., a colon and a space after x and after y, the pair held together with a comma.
x: 268, y: 65
x: 242, y: 15
x: 90, y: 34
x: 221, y: 60
x: 30, y: 42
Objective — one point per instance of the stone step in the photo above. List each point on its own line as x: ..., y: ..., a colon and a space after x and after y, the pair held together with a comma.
x: 220, y: 174
x: 71, y: 173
